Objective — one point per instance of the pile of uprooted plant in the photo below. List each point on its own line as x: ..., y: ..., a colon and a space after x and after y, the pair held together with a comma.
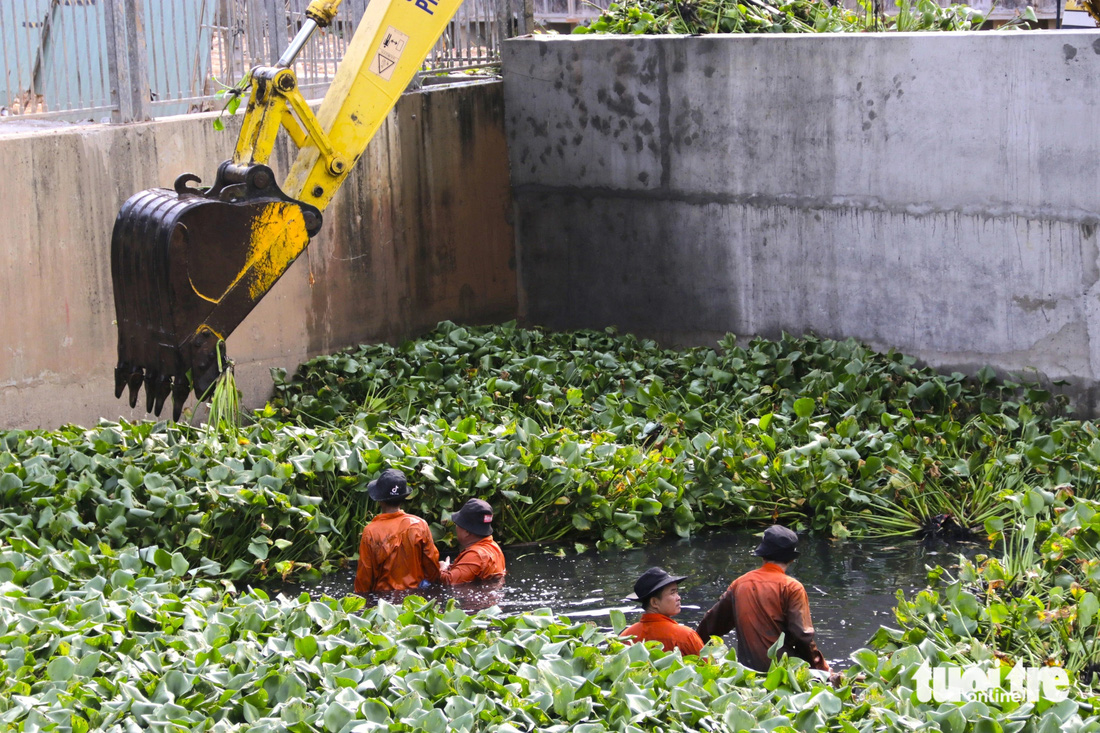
x: 696, y: 17
x: 122, y: 546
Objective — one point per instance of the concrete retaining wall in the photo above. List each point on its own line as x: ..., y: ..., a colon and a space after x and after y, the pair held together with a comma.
x: 937, y: 193
x: 421, y: 232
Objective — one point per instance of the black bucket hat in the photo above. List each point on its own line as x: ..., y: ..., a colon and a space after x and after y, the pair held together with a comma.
x: 652, y: 581
x: 391, y: 484
x: 779, y: 544
x: 476, y: 517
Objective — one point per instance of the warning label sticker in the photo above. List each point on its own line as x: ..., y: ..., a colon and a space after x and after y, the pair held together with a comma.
x: 389, y: 52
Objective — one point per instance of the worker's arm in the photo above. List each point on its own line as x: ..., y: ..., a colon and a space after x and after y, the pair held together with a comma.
x: 466, y: 568
x: 429, y: 555
x: 800, y: 629
x: 720, y: 619
x: 364, y: 573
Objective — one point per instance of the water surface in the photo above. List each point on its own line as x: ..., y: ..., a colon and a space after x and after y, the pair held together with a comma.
x: 852, y: 586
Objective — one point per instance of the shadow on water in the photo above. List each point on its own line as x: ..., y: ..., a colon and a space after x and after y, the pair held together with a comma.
x: 852, y: 585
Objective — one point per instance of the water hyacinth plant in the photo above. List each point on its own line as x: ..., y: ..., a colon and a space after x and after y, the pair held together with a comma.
x: 594, y: 437
x: 625, y: 440
x: 124, y: 547
x: 695, y: 17
x: 1034, y: 601
x: 125, y: 641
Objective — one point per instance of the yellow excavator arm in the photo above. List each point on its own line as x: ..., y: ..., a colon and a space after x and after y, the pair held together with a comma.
x: 1092, y: 7
x: 188, y: 264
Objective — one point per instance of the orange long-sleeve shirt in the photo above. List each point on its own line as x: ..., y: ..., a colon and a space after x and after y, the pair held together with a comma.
x: 762, y: 604
x: 396, y: 552
x: 659, y: 627
x: 482, y: 560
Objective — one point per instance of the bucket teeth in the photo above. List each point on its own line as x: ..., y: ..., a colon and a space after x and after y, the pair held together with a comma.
x: 134, y: 381
x: 180, y: 390
x: 150, y: 394
x: 122, y: 378
x: 162, y: 389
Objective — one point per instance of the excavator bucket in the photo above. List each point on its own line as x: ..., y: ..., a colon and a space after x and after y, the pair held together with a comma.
x: 188, y: 265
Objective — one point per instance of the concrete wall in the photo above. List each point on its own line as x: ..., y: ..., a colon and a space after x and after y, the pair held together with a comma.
x: 937, y: 193
x: 421, y: 232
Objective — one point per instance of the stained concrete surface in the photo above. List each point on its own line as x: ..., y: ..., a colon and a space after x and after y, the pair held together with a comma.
x: 934, y: 193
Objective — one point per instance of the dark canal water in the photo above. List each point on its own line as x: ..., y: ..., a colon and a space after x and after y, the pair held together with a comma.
x: 851, y: 585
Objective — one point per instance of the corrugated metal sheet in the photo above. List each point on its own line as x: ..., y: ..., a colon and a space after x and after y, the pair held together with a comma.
x: 178, y: 42
x: 21, y: 26
x: 55, y: 55
x: 74, y: 65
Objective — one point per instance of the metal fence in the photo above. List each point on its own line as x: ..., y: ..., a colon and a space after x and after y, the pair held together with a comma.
x: 134, y: 59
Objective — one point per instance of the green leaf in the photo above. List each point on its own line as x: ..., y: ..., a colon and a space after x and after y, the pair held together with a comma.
x: 41, y: 588
x: 88, y: 664
x: 9, y: 484
x: 1086, y: 610
x: 987, y: 725
x: 738, y: 719
x: 1033, y: 503
x: 60, y: 669
x: 999, y: 613
x: 337, y: 716
x: 259, y: 547
x: 866, y: 659
x: 238, y: 569
x: 306, y: 646
x: 375, y: 712
x: 162, y: 559
x: 967, y: 604
x: 804, y: 407
x: 827, y: 702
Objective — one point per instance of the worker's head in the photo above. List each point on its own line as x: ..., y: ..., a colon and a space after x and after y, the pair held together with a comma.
x: 779, y: 545
x: 473, y: 521
x: 665, y: 601
x: 658, y: 592
x: 389, y: 488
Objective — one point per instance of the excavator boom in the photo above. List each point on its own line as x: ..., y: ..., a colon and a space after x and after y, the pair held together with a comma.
x: 188, y: 264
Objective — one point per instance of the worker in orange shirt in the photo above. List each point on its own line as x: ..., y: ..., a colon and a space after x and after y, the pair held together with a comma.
x: 659, y: 594
x: 764, y: 603
x: 481, y: 558
x: 396, y: 551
